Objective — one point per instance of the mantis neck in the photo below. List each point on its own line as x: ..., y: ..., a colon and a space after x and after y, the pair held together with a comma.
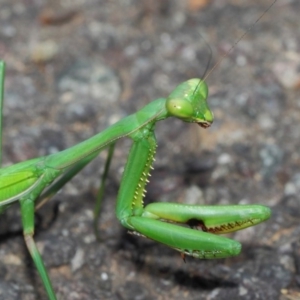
x: 149, y: 115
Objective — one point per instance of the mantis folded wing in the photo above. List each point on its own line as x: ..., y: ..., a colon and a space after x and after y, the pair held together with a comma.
x: 31, y: 181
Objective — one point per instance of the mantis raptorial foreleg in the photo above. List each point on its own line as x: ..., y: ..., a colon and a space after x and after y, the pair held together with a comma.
x: 34, y: 181
x: 157, y: 220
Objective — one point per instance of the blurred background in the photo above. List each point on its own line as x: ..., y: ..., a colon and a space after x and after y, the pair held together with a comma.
x: 76, y: 67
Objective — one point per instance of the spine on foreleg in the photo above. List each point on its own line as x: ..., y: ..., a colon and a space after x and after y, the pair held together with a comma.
x: 135, y: 178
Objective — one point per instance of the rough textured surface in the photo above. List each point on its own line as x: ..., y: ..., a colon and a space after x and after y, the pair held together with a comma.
x: 75, y: 67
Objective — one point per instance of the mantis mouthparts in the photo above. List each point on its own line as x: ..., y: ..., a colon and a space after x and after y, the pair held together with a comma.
x: 204, y: 124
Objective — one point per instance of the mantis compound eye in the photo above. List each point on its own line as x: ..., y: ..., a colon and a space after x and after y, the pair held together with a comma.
x: 180, y: 108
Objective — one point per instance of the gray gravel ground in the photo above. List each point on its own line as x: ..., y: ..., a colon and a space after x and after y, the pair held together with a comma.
x: 75, y: 67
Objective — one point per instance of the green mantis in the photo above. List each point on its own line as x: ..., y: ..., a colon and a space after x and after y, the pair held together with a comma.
x: 31, y: 182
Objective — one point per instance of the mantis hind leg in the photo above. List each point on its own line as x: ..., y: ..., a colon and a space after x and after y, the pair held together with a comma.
x: 27, y: 209
x: 100, y: 194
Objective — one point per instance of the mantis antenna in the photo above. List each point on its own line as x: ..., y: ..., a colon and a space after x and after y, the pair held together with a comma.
x: 237, y: 41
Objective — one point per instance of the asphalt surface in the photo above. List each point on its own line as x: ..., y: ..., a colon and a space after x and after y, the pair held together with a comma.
x: 76, y: 67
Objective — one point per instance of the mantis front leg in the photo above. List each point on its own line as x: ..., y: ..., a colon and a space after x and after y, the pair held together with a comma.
x: 160, y: 221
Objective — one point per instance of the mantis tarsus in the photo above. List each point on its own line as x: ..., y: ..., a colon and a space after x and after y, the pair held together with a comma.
x: 31, y: 181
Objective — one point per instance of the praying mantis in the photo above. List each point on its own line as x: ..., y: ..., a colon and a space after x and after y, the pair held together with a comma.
x: 33, y: 182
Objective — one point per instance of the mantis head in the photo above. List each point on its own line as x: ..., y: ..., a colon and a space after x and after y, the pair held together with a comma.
x: 188, y: 103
